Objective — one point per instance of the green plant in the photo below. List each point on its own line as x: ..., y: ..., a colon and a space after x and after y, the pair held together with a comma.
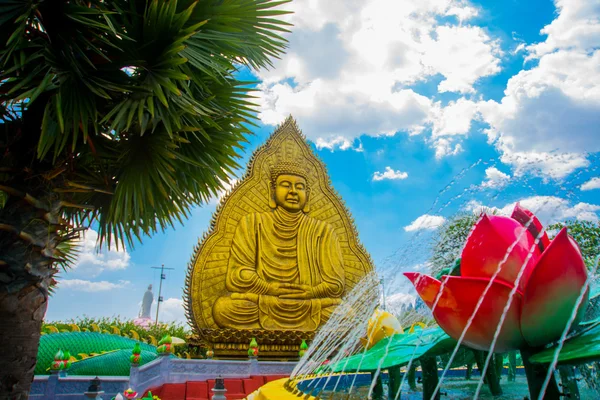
x: 587, y: 236
x: 449, y: 241
x: 118, y: 113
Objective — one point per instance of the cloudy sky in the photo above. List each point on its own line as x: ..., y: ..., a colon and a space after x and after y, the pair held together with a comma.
x: 420, y: 110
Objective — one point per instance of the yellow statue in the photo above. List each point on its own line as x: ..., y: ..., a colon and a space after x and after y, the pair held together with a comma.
x: 286, y: 269
x: 280, y: 253
x: 381, y: 325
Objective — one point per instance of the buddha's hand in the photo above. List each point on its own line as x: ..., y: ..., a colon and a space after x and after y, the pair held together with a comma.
x: 283, y: 289
x: 300, y: 292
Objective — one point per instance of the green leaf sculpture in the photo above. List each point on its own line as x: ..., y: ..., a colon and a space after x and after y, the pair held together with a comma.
x: 165, y: 345
x: 581, y: 348
x: 402, y: 348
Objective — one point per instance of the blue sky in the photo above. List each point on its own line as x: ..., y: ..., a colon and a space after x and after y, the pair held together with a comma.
x: 419, y: 110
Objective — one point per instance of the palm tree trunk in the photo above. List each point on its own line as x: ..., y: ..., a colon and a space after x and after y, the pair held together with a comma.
x: 21, y: 316
x: 29, y: 234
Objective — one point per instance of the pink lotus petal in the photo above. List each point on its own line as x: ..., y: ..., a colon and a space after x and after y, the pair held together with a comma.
x: 552, y: 291
x: 459, y: 297
x: 427, y: 287
x: 488, y: 245
x: 533, y: 225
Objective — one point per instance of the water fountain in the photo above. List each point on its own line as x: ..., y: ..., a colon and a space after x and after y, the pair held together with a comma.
x: 516, y: 290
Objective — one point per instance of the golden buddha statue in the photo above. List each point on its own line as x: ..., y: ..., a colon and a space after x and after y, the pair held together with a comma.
x: 280, y: 253
x: 285, y: 269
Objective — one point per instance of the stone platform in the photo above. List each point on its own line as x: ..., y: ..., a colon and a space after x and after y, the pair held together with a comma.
x: 165, y: 370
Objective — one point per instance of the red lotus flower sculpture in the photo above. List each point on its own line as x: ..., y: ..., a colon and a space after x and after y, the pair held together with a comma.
x: 553, y: 276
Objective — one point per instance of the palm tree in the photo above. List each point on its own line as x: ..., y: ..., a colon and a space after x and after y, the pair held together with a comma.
x: 117, y: 113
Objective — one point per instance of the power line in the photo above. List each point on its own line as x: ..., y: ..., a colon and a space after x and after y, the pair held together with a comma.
x: 162, y: 277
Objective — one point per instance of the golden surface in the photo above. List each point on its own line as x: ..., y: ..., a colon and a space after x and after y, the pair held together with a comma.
x: 271, y: 261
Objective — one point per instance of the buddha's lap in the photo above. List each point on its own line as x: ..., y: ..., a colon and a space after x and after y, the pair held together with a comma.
x: 249, y: 302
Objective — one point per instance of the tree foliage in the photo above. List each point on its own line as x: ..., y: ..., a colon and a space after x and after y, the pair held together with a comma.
x: 119, y: 113
x: 450, y: 240
x: 125, y: 326
x: 129, y: 111
x: 587, y: 236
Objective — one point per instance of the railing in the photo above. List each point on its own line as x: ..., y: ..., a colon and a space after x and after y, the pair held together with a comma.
x: 164, y: 369
x: 176, y: 370
x: 61, y: 387
x: 153, y: 374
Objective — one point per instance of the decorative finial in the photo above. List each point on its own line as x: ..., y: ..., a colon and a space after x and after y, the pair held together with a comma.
x: 164, y: 346
x: 253, y: 348
x: 62, y: 361
x: 209, y: 354
x: 303, y: 348
x: 136, y: 354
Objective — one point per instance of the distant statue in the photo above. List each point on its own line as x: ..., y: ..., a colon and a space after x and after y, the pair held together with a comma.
x: 147, y: 303
x: 285, y: 269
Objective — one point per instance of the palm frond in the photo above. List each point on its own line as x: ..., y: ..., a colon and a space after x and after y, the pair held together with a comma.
x: 139, y: 112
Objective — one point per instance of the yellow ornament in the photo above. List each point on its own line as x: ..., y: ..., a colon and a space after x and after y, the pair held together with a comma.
x: 382, y: 324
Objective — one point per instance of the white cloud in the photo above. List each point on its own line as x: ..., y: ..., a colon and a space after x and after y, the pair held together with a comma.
x: 593, y: 183
x: 462, y: 54
x: 552, y: 165
x: 171, y: 310
x: 350, y: 65
x: 549, y: 209
x: 444, y: 147
x: 338, y: 142
x: 454, y: 119
x: 91, y: 286
x: 389, y: 173
x: 463, y: 13
x: 329, y: 112
x: 495, y: 178
x: 92, y: 261
x: 547, y: 121
x: 577, y: 26
x: 425, y: 221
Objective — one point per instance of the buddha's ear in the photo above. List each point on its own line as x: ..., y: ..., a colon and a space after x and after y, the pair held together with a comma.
x: 272, y: 203
x: 306, y: 208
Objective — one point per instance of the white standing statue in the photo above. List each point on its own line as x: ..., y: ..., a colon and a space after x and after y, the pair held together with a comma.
x: 144, y: 319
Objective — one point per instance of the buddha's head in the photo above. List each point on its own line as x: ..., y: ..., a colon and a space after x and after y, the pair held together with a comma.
x: 289, y: 187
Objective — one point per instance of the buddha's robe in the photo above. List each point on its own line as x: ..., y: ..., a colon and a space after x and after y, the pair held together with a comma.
x: 281, y: 247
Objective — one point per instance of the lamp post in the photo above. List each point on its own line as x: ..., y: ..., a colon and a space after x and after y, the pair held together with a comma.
x: 219, y: 389
x: 160, y: 299
x: 94, y: 390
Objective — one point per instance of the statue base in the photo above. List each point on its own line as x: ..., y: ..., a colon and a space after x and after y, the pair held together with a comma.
x: 234, y: 343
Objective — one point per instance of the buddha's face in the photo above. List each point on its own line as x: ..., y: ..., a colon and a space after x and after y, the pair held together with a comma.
x: 290, y: 192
